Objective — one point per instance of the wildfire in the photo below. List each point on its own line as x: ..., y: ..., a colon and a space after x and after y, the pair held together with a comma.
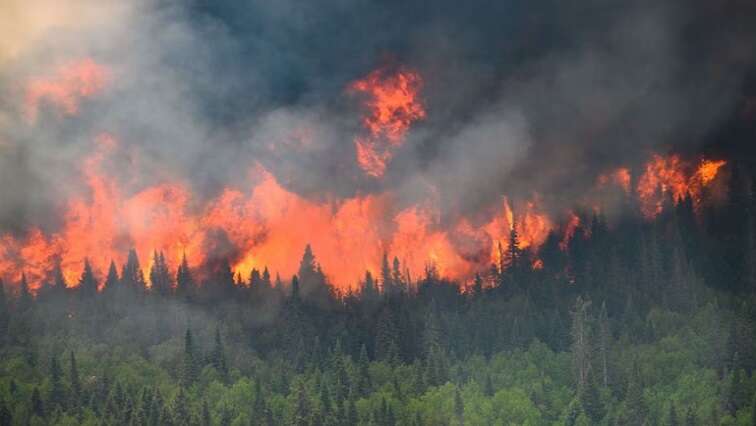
x: 66, y: 88
x: 573, y: 222
x: 267, y: 225
x: 665, y: 177
x: 392, y: 104
x: 620, y: 177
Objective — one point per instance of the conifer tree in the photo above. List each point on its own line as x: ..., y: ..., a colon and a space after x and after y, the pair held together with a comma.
x: 690, y: 418
x: 459, y: 407
x: 112, y: 280
x: 364, y: 383
x: 25, y: 299
x: 184, y: 280
x: 672, y: 419
x: 132, y: 276
x: 87, y: 284
x: 190, y: 365
x: 218, y: 356
x: 6, y: 418
x: 57, y: 396
x: 636, y: 405
x: 4, y: 314
x: 75, y: 381
x: 180, y: 410
x: 302, y: 411
x: 37, y: 406
x: 581, y: 346
x: 160, y: 276
x: 206, y: 419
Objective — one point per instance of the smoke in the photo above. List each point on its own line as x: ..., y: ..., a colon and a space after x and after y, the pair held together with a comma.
x: 521, y: 97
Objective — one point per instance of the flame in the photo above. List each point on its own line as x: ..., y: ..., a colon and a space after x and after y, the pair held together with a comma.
x: 571, y: 226
x: 66, y: 88
x: 392, y: 106
x: 266, y: 225
x: 620, y: 177
x: 532, y: 225
x: 669, y: 177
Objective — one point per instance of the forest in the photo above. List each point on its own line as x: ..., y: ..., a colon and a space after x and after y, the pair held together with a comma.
x: 634, y: 322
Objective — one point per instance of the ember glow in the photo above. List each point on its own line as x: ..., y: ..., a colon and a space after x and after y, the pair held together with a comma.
x: 66, y: 88
x: 392, y: 105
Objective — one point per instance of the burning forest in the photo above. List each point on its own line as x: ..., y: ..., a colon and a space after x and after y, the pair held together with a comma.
x: 366, y: 214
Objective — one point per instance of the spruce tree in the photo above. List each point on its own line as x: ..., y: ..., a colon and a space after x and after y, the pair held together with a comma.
x: 364, y: 383
x: 184, y: 280
x: 672, y: 418
x: 160, y: 276
x: 37, y: 406
x: 302, y: 413
x: 57, y: 396
x: 636, y: 405
x: 459, y: 407
x: 218, y: 357
x: 25, y: 299
x: 190, y: 366
x: 75, y: 381
x: 691, y: 419
x: 87, y: 284
x: 6, y: 418
x: 206, y: 419
x: 4, y: 314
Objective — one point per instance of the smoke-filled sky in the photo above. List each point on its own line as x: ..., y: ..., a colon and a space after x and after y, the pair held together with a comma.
x: 518, y: 97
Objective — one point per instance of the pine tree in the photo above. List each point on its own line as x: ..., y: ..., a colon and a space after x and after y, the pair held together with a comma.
x: 690, y: 418
x: 352, y: 416
x: 132, y: 276
x: 737, y: 392
x: 184, y: 280
x: 181, y: 413
x: 295, y: 296
x: 36, y: 403
x: 6, y: 418
x: 636, y: 405
x: 218, y: 356
x: 396, y: 275
x: 75, y: 381
x: 160, y: 276
x: 302, y: 412
x: 387, y: 280
x: 87, y: 284
x: 206, y: 419
x: 591, y: 402
x: 488, y: 388
x: 190, y: 365
x: 57, y: 396
x: 386, y: 337
x: 364, y: 382
x: 112, y: 280
x: 4, y: 314
x: 25, y: 299
x: 59, y: 281
x: 604, y: 339
x: 581, y: 347
x: 459, y: 407
x: 672, y: 419
x: 258, y: 406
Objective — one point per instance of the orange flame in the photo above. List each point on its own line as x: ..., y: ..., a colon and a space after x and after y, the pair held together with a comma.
x: 66, y: 88
x: 393, y: 105
x: 573, y: 222
x: 620, y: 177
x: 667, y: 177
